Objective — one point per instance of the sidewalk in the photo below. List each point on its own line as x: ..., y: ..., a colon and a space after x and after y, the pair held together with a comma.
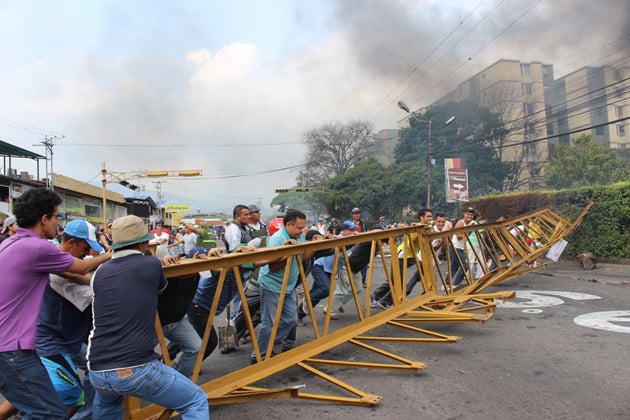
x: 604, y: 273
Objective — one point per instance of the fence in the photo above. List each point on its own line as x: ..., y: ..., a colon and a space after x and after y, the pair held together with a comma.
x: 492, y: 253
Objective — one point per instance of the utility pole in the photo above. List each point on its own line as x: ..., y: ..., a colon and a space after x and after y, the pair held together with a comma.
x: 160, y: 197
x: 49, y: 143
x: 123, y: 178
x: 430, y: 166
x: 402, y: 105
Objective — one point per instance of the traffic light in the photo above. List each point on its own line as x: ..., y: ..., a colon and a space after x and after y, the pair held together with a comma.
x: 157, y: 174
x: 282, y: 190
x: 128, y: 185
x: 189, y: 173
x: 302, y: 190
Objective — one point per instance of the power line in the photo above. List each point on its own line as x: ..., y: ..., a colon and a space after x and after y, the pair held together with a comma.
x: 426, y: 57
x: 509, y: 26
x: 192, y: 146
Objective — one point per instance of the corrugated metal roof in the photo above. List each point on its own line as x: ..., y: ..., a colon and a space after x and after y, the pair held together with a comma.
x: 10, y: 150
x: 71, y: 184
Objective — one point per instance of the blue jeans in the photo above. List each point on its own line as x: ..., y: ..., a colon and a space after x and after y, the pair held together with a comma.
x: 364, y: 274
x: 85, y: 411
x: 184, y: 335
x: 25, y: 383
x: 153, y: 382
x: 383, y: 293
x: 286, y: 326
x: 207, y: 288
x: 252, y: 295
x: 457, y: 269
x: 198, y: 318
x: 321, y: 284
x: 319, y: 290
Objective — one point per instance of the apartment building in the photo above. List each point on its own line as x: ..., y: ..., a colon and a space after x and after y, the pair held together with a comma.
x: 382, y: 147
x: 517, y: 91
x: 592, y: 100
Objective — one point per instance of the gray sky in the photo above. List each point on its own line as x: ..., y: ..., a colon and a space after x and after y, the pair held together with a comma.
x: 230, y: 87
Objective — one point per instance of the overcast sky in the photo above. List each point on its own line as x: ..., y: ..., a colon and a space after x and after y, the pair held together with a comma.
x: 229, y: 87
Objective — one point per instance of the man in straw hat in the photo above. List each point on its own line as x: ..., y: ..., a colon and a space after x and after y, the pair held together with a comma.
x: 121, y: 359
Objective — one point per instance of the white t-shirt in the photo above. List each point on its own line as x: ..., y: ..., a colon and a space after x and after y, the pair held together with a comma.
x: 190, y: 241
x: 162, y: 249
x: 233, y: 236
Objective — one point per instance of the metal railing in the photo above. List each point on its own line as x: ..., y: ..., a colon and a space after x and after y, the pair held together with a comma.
x: 502, y: 251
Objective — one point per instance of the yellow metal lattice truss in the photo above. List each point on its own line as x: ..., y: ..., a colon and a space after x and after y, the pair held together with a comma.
x: 504, y: 252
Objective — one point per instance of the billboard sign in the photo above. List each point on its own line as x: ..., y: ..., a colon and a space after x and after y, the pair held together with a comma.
x: 456, y: 180
x: 177, y: 208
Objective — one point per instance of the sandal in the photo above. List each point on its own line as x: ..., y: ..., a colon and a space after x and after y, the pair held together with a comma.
x: 300, y: 323
x: 304, y: 307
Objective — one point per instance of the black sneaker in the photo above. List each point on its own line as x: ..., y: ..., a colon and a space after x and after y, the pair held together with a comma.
x: 384, y: 305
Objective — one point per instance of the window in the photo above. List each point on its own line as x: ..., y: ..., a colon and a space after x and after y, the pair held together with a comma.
x: 528, y: 108
x: 617, y: 74
x: 72, y: 205
x: 525, y: 69
x: 599, y: 131
x: 529, y: 130
x: 92, y: 208
x: 619, y: 111
x: 526, y: 88
x: 621, y: 130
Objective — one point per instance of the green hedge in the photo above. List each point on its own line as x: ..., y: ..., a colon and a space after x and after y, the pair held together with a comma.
x: 605, y: 230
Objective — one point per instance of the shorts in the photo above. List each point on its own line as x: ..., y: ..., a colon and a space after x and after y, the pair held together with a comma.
x: 63, y: 375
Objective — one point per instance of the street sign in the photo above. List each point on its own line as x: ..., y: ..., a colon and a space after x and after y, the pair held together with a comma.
x: 177, y: 208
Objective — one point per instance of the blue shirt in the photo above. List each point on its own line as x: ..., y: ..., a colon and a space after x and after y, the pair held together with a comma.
x: 272, y: 280
x: 327, y: 262
x: 61, y: 327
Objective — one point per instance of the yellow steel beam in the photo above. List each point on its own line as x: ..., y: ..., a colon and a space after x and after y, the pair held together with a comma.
x: 435, y: 304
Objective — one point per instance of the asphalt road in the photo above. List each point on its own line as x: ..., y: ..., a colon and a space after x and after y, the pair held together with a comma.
x: 531, y: 360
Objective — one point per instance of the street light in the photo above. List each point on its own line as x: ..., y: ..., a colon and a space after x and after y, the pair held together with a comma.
x: 402, y: 105
x: 123, y: 178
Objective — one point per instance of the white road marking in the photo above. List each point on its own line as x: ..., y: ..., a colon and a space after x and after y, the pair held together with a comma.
x: 537, y: 298
x: 605, y: 321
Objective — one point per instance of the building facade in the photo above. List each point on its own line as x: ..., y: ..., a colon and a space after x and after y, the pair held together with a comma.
x: 517, y: 92
x: 591, y: 100
x: 79, y: 200
x: 382, y: 147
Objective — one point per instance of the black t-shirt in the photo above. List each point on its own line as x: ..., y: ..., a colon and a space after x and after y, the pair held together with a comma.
x: 360, y: 256
x: 125, y: 301
x: 175, y: 300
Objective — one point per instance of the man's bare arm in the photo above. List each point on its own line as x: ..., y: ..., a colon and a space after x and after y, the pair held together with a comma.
x: 85, y: 266
x: 79, y: 278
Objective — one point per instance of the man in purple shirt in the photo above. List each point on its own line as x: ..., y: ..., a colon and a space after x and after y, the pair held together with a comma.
x: 26, y: 260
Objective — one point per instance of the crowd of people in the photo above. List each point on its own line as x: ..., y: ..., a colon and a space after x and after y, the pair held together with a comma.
x: 89, y: 303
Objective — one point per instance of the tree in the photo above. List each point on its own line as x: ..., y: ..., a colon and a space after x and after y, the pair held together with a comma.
x: 332, y: 149
x: 378, y: 191
x: 467, y: 138
x: 585, y: 163
x: 505, y: 101
x: 293, y: 200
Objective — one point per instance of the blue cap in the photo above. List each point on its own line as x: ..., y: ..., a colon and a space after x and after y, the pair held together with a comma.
x: 348, y: 225
x: 195, y: 250
x: 84, y: 230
